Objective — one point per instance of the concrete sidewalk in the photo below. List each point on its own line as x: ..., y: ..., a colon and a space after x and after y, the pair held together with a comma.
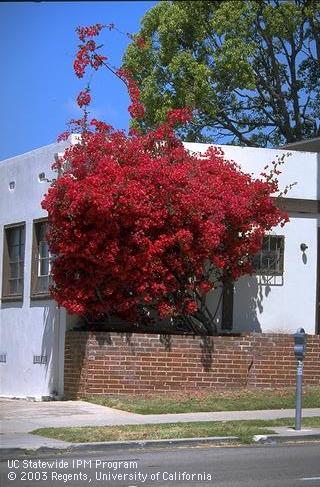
x: 19, y: 417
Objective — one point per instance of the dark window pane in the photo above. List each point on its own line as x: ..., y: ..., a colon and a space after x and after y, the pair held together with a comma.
x: 15, y: 244
x: 21, y: 251
x: 273, y: 243
x: 14, y: 270
x: 265, y: 245
x: 14, y: 236
x: 42, y: 231
x: 256, y: 261
x: 20, y: 286
x: 43, y: 249
x: 13, y: 286
x: 43, y: 284
x: 270, y: 259
x: 44, y: 267
x: 14, y: 252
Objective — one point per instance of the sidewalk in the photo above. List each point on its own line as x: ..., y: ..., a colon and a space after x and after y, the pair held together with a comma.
x: 19, y: 417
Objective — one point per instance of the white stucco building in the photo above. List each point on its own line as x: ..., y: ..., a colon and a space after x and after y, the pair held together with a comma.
x: 32, y: 327
x: 286, y: 300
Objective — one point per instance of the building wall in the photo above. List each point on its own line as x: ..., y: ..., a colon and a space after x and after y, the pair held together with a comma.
x: 283, y: 304
x: 28, y: 327
x: 299, y: 167
x: 279, y: 305
x: 111, y: 363
x: 37, y: 327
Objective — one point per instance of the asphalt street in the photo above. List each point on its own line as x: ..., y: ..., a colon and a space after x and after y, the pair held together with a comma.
x: 263, y: 466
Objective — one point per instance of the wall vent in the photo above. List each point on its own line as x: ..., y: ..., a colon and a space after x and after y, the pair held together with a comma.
x: 12, y: 185
x: 3, y: 358
x: 40, y: 359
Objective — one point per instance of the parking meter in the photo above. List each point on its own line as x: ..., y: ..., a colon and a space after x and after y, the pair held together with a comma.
x: 300, y: 345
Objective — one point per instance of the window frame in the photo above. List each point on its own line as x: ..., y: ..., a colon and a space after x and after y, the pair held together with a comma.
x: 264, y: 271
x: 5, y: 295
x: 35, y: 261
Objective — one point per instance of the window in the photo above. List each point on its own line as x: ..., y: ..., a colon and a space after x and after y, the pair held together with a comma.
x: 13, y: 261
x: 270, y: 259
x: 40, y: 260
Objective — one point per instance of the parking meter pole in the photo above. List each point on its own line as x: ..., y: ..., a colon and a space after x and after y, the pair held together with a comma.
x: 299, y: 395
x: 300, y: 343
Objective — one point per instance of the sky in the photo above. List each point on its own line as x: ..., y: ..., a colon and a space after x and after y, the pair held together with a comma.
x: 38, y: 86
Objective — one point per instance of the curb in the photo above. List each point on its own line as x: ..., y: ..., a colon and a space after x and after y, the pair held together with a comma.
x: 276, y: 439
x: 8, y: 453
x: 144, y: 444
x: 116, y: 445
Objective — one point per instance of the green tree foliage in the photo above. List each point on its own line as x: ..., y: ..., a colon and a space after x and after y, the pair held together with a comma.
x: 250, y: 69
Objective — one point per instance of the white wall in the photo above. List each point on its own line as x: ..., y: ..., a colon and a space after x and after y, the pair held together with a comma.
x: 28, y: 327
x: 283, y: 305
x: 300, y: 167
x: 31, y: 327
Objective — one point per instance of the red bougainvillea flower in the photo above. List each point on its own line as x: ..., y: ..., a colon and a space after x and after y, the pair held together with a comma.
x: 84, y: 98
x: 97, y: 61
x: 134, y: 221
x: 141, y: 227
x: 63, y: 136
x: 89, y: 31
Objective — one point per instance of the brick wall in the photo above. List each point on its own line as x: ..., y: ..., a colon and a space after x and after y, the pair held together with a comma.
x: 107, y: 363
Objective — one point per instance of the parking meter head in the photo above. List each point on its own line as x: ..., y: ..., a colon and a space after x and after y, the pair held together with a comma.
x: 300, y: 343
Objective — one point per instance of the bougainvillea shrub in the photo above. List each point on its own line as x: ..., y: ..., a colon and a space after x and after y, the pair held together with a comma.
x: 140, y: 228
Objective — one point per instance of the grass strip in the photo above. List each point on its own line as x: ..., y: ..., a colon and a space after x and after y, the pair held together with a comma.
x: 242, y: 400
x: 244, y: 430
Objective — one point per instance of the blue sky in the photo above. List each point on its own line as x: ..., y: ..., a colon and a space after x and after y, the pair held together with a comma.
x: 38, y: 43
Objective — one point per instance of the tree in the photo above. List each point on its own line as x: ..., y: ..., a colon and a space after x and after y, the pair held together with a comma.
x: 250, y: 69
x: 140, y: 227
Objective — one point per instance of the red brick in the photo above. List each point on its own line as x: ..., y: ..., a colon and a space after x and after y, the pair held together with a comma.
x: 142, y: 364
